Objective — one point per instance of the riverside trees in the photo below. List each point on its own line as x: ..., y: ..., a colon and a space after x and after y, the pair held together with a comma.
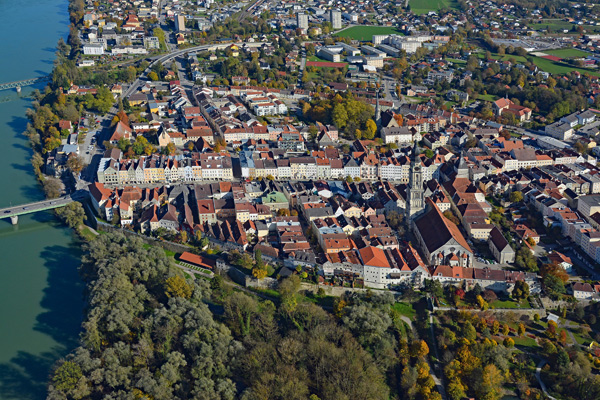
x: 149, y: 333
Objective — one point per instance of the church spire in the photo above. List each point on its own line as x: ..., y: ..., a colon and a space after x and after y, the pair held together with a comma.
x: 377, y: 110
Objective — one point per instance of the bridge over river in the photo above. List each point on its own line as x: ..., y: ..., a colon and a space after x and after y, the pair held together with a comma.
x: 21, y: 83
x: 14, y: 211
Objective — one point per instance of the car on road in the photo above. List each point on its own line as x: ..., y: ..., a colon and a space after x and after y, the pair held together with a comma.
x: 25, y: 208
x: 7, y: 212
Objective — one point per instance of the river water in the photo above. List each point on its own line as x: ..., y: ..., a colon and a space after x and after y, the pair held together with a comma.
x: 40, y: 292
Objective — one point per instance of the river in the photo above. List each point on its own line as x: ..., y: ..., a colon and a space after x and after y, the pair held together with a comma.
x: 40, y: 292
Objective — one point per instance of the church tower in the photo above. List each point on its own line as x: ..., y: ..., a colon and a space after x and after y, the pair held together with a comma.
x: 415, y: 201
x: 377, y: 111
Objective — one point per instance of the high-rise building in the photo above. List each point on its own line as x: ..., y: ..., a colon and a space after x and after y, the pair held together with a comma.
x: 335, y: 17
x: 180, y: 23
x: 302, y: 21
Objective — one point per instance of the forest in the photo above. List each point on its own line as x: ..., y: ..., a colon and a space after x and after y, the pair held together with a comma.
x: 152, y: 333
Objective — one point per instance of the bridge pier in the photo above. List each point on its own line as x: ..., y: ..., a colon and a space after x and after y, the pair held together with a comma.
x: 14, y: 219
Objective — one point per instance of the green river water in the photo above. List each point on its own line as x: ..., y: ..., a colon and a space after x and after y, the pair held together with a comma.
x: 40, y: 292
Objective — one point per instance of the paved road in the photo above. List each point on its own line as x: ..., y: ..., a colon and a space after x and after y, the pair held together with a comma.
x: 538, y: 371
x: 28, y: 208
x: 436, y: 379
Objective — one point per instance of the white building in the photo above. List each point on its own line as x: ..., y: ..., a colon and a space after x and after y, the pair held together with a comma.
x: 302, y: 21
x: 93, y: 49
x: 335, y: 17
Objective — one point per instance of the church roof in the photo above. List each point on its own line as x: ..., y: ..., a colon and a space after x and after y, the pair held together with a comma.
x: 436, y: 230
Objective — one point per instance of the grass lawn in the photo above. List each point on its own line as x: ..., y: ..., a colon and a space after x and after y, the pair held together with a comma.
x: 365, y: 33
x: 87, y: 234
x: 566, y: 53
x: 424, y: 6
x: 556, y: 25
x: 560, y: 68
x: 504, y: 57
x: 487, y: 97
x: 405, y: 309
x: 525, y: 342
x: 460, y: 63
x: 510, y: 304
x: 315, y: 58
x: 581, y: 339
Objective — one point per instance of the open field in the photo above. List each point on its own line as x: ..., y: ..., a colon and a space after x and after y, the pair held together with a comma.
x: 424, y: 6
x: 487, y: 97
x: 546, y: 65
x: 560, y: 68
x: 405, y: 309
x: 365, y: 33
x: 566, y: 53
x: 557, y: 25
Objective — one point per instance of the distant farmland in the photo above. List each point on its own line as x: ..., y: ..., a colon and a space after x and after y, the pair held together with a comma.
x: 365, y: 33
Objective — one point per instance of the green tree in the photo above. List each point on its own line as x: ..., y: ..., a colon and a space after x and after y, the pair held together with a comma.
x: 371, y: 129
x: 72, y: 214
x: 516, y: 196
x: 52, y: 188
x: 176, y: 286
x: 339, y: 116
x: 521, y: 290
x: 521, y: 329
x: 66, y: 376
x: 288, y: 288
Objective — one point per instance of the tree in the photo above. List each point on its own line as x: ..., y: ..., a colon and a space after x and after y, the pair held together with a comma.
x: 75, y: 164
x: 495, y: 327
x: 283, y: 212
x: 505, y: 329
x: 72, y: 214
x: 371, y: 129
x: 339, y: 116
x: 490, y: 386
x: 153, y: 76
x: 521, y: 290
x: 516, y: 196
x: 521, y: 329
x: 176, y: 286
x: 420, y: 349
x: 288, y: 288
x: 508, y: 342
x: 483, y: 305
x: 551, y: 330
x: 66, y: 376
x: 52, y: 188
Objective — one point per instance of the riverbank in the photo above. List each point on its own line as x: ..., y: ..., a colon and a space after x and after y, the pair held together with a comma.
x: 41, y: 293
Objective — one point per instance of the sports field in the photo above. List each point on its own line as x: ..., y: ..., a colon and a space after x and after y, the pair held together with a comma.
x: 365, y: 33
x: 566, y: 53
x: 424, y: 6
x: 557, y: 25
x: 560, y: 68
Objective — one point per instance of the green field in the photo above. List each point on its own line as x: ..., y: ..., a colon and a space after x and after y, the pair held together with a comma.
x: 405, y: 309
x: 560, y: 68
x: 424, y: 6
x: 505, y: 57
x: 365, y: 33
x: 557, y: 25
x: 566, y: 53
x: 459, y: 63
x: 548, y: 65
x: 487, y: 97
